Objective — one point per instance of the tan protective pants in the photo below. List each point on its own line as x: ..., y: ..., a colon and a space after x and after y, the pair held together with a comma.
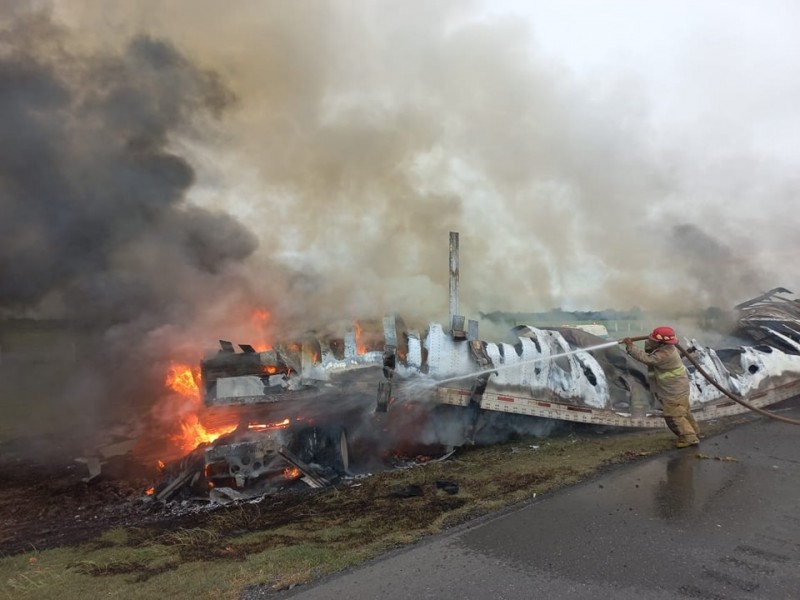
x: 679, y: 419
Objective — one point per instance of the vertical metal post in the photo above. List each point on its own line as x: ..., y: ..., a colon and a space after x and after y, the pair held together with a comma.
x: 453, y: 275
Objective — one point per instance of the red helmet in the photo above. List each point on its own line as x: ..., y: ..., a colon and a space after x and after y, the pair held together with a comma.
x: 665, y: 335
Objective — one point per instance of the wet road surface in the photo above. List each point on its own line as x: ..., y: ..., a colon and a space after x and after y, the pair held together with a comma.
x: 674, y: 526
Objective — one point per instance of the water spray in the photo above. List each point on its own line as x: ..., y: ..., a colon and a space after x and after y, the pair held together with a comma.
x: 526, y: 362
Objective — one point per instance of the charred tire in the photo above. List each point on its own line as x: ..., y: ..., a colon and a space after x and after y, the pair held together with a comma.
x: 326, y: 447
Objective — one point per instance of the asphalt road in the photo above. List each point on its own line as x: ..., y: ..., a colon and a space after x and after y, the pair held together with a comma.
x: 726, y: 527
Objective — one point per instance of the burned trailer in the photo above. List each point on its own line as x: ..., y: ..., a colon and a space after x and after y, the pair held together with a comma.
x: 294, y: 404
x: 315, y: 366
x: 299, y: 403
x: 570, y: 375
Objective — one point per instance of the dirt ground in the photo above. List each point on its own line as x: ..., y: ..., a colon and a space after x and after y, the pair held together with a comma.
x: 46, y: 504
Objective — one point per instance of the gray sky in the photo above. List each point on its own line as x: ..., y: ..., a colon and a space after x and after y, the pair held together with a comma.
x: 720, y: 84
x: 716, y: 61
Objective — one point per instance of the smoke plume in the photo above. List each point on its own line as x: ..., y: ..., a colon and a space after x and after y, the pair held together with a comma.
x: 169, y: 167
x: 96, y: 227
x: 364, y: 132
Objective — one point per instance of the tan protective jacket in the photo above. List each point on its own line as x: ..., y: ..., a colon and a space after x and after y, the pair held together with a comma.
x: 669, y: 380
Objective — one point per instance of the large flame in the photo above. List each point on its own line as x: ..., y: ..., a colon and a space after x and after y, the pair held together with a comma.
x: 184, y: 381
x: 193, y: 433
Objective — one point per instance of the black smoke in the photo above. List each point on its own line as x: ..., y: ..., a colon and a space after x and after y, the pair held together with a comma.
x: 96, y: 229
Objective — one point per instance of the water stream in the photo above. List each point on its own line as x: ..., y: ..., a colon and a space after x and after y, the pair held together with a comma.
x: 431, y: 383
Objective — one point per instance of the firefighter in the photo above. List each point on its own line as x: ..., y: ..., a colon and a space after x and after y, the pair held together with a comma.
x: 669, y: 382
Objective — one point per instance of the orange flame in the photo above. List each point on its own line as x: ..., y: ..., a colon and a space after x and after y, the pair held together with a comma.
x: 183, y: 380
x: 193, y: 433
x: 291, y: 473
x: 150, y: 491
x: 264, y: 426
x: 361, y: 347
x: 259, y: 319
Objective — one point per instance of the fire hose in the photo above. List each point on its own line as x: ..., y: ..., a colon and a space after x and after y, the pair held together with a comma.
x: 712, y: 381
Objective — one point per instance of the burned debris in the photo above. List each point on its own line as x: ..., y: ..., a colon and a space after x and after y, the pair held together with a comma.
x: 772, y: 319
x: 320, y: 408
x: 283, y: 414
x: 310, y: 411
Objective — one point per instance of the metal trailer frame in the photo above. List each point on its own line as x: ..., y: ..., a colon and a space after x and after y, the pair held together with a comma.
x: 522, y: 404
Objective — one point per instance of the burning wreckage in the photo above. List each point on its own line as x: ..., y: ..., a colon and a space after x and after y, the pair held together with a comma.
x: 357, y: 396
